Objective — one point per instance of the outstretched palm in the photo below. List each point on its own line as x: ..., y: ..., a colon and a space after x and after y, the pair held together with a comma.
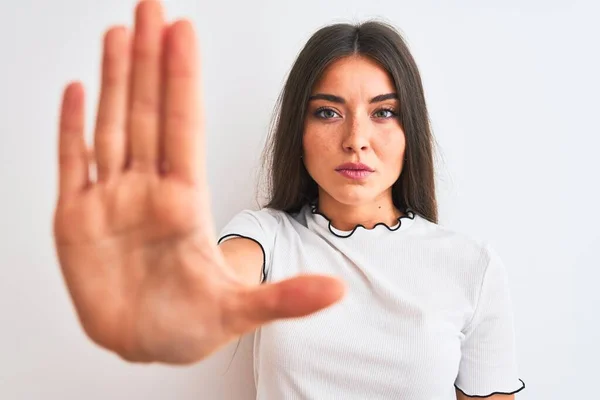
x: 137, y: 246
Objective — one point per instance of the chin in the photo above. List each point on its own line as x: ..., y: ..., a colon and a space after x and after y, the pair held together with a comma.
x: 354, y: 195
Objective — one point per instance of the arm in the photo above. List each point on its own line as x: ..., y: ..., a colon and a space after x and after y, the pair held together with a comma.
x: 488, y: 367
x: 245, y: 257
x: 461, y: 396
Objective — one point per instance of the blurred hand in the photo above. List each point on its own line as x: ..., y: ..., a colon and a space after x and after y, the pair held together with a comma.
x: 137, y: 245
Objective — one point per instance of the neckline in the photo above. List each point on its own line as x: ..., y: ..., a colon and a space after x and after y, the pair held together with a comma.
x: 378, y: 230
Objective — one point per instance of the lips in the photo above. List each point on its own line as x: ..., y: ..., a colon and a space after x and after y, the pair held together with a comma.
x: 354, y: 171
x: 354, y: 167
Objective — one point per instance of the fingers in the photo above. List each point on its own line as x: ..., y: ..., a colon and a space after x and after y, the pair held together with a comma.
x: 295, y: 297
x: 145, y: 104
x: 110, y: 137
x: 149, y: 111
x: 72, y: 150
x: 183, y: 113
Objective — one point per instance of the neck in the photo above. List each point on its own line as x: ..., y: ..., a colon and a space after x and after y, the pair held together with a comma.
x: 369, y: 213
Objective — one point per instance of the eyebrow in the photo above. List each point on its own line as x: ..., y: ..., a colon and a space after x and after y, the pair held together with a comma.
x: 341, y: 100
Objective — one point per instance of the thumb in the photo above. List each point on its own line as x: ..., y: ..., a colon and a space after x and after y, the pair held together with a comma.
x: 294, y: 297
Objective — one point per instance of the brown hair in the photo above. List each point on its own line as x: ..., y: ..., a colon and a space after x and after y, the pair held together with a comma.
x: 288, y: 184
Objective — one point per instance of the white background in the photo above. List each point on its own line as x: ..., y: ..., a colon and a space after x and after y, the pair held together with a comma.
x: 513, y: 92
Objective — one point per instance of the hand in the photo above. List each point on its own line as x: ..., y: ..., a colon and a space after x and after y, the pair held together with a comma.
x: 137, y: 245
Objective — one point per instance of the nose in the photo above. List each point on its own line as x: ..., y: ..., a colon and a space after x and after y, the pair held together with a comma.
x: 356, y: 135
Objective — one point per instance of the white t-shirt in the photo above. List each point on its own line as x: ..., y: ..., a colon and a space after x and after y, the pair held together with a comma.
x: 426, y: 309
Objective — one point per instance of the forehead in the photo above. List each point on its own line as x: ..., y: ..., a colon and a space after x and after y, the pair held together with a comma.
x: 354, y: 74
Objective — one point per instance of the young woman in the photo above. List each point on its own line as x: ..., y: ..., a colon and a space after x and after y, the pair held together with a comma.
x: 352, y: 287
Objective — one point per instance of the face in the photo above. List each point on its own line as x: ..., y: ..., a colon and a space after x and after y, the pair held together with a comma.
x: 352, y: 118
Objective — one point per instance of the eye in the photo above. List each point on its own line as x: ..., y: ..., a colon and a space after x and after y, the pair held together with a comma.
x: 385, y: 113
x: 325, y: 113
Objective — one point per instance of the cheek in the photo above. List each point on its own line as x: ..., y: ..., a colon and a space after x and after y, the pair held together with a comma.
x: 319, y: 150
x: 317, y: 142
x: 391, y: 147
x: 391, y: 155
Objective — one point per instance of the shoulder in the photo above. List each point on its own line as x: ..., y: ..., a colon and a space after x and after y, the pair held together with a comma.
x: 263, y: 215
x: 448, y: 239
x: 468, y: 254
x: 264, y: 222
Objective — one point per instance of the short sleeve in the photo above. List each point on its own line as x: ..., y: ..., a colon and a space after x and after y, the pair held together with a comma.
x: 260, y: 226
x: 489, y: 363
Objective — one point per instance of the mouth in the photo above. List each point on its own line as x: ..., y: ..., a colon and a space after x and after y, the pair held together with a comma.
x: 355, y: 171
x: 356, y: 174
x: 354, y: 167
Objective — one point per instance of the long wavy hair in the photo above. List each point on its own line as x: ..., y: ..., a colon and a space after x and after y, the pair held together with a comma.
x: 288, y: 184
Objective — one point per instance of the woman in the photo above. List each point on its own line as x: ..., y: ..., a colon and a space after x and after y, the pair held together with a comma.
x: 393, y: 305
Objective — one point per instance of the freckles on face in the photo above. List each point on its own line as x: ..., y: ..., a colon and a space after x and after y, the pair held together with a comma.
x: 352, y: 116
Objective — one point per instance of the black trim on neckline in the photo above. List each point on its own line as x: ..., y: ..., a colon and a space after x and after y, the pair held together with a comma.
x: 488, y: 395
x: 409, y: 214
